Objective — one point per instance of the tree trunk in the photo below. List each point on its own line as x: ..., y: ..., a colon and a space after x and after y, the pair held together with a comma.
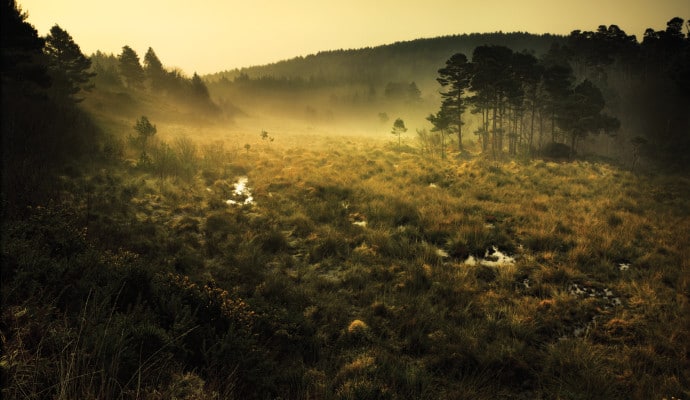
x: 573, y: 140
x: 493, y: 130
x: 553, y: 126
x: 460, y: 133
x: 485, y: 129
x: 541, y: 130
x: 531, y: 131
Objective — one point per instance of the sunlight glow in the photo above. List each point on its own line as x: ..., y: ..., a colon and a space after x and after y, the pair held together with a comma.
x: 212, y: 36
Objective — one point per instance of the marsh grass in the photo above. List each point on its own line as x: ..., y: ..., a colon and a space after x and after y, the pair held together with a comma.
x: 383, y: 309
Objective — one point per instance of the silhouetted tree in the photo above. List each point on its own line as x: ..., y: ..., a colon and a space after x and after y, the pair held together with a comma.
x: 493, y: 82
x: 414, y: 95
x: 68, y: 66
x: 664, y: 95
x: 106, y: 69
x: 455, y: 79
x: 409, y: 92
x: 596, y: 51
x: 39, y: 132
x: 23, y: 61
x: 154, y: 70
x: 145, y: 130
x: 581, y: 113
x: 441, y: 122
x: 199, y: 89
x: 558, y: 83
x: 530, y: 72
x: 398, y: 129
x: 130, y: 68
x: 670, y: 48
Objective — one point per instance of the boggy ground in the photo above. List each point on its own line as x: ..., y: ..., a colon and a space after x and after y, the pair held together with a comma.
x: 346, y: 276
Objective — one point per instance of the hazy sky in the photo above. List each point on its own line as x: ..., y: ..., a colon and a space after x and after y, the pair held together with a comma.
x: 209, y: 36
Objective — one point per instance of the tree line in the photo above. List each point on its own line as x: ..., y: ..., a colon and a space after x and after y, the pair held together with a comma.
x: 572, y: 91
x: 127, y: 71
x: 513, y: 92
x: 43, y: 80
x: 397, y: 62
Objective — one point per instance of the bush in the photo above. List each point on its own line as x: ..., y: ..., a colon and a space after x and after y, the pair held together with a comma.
x: 557, y: 151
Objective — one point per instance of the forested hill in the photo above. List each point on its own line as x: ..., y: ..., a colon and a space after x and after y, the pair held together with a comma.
x: 401, y: 61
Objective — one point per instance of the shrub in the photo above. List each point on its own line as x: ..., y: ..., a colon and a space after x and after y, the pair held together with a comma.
x: 331, y: 244
x: 273, y: 241
x: 357, y: 327
x: 557, y: 151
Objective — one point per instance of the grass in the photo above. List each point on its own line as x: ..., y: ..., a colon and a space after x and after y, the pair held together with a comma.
x: 343, y: 310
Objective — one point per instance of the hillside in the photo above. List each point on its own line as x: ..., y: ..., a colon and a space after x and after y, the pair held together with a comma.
x: 415, y: 60
x: 353, y: 91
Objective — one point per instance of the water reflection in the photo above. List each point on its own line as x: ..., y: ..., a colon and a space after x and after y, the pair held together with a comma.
x: 242, y: 194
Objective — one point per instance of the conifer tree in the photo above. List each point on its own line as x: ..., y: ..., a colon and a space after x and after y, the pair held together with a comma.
x: 441, y: 123
x: 582, y: 114
x: 493, y: 84
x: 199, y: 89
x: 130, y: 68
x: 398, y: 129
x: 455, y: 79
x: 22, y: 59
x: 68, y: 66
x: 153, y: 67
x: 145, y: 130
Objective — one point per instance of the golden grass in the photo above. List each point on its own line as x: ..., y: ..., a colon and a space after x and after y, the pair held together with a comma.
x: 435, y: 327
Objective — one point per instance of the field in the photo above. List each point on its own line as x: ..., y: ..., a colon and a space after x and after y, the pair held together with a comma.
x: 346, y: 267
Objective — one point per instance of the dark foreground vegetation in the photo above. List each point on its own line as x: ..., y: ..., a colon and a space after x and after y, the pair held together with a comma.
x: 147, y: 257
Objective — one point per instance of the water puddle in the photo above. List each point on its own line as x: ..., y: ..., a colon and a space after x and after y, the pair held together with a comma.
x: 492, y: 258
x: 242, y: 194
x: 442, y: 253
x: 606, y: 295
x: 356, y: 218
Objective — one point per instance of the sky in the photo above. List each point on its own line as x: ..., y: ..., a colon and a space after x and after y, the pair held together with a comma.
x: 207, y: 36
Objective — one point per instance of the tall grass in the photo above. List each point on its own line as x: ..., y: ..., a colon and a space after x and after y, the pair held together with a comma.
x: 351, y: 263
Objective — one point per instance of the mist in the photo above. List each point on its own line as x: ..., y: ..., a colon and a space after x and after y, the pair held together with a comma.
x: 479, y: 216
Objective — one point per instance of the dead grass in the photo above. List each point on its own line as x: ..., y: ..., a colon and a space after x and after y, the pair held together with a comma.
x: 435, y: 327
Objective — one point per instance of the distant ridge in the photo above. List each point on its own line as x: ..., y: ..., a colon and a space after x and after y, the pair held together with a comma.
x: 400, y: 61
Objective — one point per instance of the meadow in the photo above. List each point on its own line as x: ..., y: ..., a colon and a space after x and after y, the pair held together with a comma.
x: 313, y: 266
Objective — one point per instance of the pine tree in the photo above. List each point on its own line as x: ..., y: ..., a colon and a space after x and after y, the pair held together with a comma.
x: 582, y: 113
x: 23, y: 61
x: 455, y: 79
x: 68, y: 66
x: 493, y: 83
x: 145, y: 130
x: 199, y: 89
x: 441, y: 122
x: 130, y: 68
x: 153, y: 67
x: 398, y: 129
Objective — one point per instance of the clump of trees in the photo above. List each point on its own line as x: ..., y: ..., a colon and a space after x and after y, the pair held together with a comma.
x: 511, y: 90
x: 67, y: 65
x: 126, y: 70
x: 42, y: 128
x: 579, y: 88
x: 408, y: 92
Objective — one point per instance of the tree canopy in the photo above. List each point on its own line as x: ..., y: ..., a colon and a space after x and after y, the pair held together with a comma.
x: 130, y: 68
x: 68, y: 66
x: 455, y: 79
